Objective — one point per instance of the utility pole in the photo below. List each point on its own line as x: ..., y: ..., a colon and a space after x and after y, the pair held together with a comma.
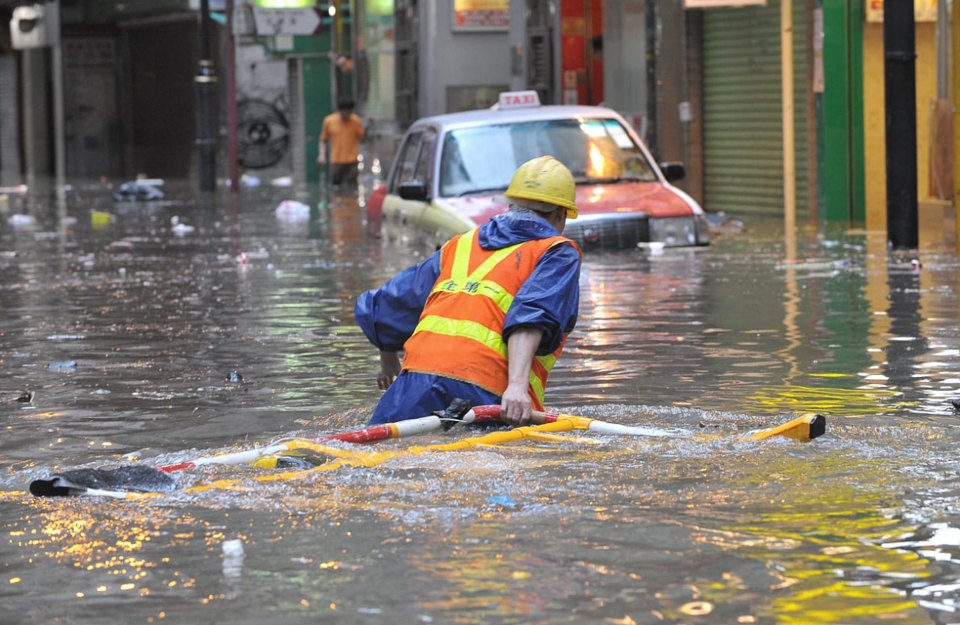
x: 206, y: 80
x: 233, y: 150
x: 900, y: 73
x: 653, y: 93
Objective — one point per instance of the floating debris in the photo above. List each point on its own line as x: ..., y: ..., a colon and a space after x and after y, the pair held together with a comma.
x: 137, y: 192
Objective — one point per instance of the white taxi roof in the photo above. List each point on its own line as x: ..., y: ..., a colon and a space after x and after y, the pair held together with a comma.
x: 490, y: 117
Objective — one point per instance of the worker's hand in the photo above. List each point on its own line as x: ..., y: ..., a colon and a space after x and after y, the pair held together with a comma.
x: 515, y: 405
x: 389, y: 369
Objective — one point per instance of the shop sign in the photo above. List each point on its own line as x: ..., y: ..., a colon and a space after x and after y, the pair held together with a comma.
x: 923, y: 10
x: 481, y: 14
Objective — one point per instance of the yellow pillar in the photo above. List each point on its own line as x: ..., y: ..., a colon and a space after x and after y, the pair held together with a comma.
x: 786, y: 88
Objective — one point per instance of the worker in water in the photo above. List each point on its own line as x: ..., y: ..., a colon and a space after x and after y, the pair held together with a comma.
x: 485, y: 317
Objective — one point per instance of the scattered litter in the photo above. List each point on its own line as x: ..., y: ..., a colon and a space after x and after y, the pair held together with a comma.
x: 180, y: 229
x: 21, y: 188
x: 137, y: 191
x: 153, y: 182
x: 502, y: 500
x: 100, y: 219
x: 249, y: 181
x: 22, y: 221
x: 282, y: 181
x: 234, y: 377
x: 27, y: 397
x: 291, y: 210
x: 817, y: 265
x: 233, y: 547
x: 721, y: 224
x: 63, y: 365
x: 66, y: 337
x: 655, y: 248
x: 232, y: 558
x: 260, y: 254
x: 242, y: 258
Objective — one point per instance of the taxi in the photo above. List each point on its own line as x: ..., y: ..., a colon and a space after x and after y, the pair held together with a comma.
x: 450, y: 171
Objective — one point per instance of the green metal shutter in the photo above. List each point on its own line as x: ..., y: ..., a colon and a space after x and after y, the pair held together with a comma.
x: 743, y: 136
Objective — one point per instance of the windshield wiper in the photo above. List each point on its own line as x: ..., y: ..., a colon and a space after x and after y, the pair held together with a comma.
x: 612, y: 180
x: 479, y: 191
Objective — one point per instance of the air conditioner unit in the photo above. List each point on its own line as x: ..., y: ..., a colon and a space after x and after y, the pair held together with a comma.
x: 35, y: 26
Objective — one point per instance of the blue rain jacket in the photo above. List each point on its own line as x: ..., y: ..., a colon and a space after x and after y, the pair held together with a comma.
x: 549, y: 300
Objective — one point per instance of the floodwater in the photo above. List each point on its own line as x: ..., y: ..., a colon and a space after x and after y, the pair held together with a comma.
x: 166, y: 331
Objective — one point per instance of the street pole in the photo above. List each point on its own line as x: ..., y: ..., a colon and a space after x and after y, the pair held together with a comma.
x: 234, y: 151
x: 900, y: 75
x: 206, y: 80
x: 653, y: 94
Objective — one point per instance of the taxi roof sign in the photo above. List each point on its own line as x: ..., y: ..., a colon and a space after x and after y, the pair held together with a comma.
x: 518, y: 99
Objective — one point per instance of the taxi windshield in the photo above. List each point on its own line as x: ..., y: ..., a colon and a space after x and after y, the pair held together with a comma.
x: 483, y: 159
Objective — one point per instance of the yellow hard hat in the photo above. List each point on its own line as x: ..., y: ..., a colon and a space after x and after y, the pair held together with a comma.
x: 545, y: 179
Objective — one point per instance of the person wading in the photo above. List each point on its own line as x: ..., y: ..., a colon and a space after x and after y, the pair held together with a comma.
x: 485, y: 317
x: 344, y: 131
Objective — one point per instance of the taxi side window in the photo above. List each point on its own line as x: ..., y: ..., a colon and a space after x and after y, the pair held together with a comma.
x: 428, y: 145
x: 407, y: 160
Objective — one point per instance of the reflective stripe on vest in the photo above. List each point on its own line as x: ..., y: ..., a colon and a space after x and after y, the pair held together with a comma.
x: 446, y: 338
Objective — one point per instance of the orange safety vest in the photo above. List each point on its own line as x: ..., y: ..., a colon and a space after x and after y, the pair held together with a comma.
x: 460, y: 333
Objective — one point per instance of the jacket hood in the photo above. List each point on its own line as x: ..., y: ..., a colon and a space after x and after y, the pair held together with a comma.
x: 511, y: 228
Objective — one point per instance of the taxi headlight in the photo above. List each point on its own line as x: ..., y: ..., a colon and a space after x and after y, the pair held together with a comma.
x: 674, y: 231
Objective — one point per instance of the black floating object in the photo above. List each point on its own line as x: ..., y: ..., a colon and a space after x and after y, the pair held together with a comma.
x: 26, y: 397
x: 295, y: 462
x: 818, y: 426
x: 956, y: 404
x: 131, y: 477
x: 457, y: 409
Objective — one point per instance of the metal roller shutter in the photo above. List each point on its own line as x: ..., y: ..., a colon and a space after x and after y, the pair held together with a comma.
x: 743, y: 141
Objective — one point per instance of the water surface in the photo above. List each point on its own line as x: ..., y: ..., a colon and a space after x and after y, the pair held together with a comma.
x: 181, y: 328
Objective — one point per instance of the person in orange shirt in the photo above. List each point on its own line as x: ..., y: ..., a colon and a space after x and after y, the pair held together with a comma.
x: 344, y: 131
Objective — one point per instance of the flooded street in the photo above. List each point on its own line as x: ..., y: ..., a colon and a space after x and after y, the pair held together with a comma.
x: 159, y: 332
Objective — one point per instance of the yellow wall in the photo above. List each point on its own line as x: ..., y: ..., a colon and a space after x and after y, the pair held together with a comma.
x: 873, y: 116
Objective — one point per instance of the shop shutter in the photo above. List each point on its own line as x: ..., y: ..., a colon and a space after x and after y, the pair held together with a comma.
x: 742, y: 115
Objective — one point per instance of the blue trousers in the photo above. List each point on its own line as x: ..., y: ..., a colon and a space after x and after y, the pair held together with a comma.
x: 414, y: 395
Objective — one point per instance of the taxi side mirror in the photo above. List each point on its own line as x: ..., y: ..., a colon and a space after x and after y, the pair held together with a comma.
x: 415, y: 190
x: 673, y: 171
